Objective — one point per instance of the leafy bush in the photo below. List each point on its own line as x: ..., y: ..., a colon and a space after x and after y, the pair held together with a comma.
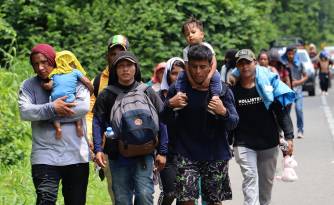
x: 7, y: 44
x: 12, y: 130
x: 154, y: 31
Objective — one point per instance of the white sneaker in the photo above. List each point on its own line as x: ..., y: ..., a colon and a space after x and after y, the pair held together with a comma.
x: 300, y: 135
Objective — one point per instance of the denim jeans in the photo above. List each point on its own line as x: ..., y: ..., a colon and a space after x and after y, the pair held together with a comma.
x: 135, y: 178
x: 74, y: 179
x: 299, y: 111
x: 258, y: 170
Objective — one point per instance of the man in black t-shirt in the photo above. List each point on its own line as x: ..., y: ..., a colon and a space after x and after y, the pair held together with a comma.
x: 256, y: 136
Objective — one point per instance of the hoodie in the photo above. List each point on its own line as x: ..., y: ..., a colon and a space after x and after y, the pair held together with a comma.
x: 106, y: 100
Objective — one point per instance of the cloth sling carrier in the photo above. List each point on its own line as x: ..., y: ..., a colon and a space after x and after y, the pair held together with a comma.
x: 135, y: 121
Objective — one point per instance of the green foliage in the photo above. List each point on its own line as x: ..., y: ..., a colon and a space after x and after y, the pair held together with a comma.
x: 299, y: 18
x: 12, y: 130
x: 7, y: 44
x: 153, y: 27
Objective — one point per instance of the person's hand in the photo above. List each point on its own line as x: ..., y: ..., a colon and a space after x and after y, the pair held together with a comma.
x: 293, y: 83
x: 100, y: 160
x: 62, y: 108
x: 231, y: 80
x: 160, y: 162
x: 91, y: 145
x: 179, y: 100
x: 91, y: 150
x: 290, y: 147
x: 217, y: 106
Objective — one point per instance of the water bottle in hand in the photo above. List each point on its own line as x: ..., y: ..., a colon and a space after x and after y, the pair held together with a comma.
x: 110, y: 133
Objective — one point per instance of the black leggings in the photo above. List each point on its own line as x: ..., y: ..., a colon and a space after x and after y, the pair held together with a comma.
x: 74, y: 179
x: 324, y: 81
x: 168, y: 177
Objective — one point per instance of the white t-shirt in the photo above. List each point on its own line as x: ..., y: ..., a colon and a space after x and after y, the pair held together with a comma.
x: 186, y: 49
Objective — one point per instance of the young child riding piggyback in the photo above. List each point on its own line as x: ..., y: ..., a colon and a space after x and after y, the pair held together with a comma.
x: 193, y: 32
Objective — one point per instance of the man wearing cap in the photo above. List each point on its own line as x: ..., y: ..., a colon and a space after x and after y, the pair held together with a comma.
x: 259, y: 95
x: 52, y: 160
x: 116, y: 44
x: 299, y: 77
x: 130, y: 175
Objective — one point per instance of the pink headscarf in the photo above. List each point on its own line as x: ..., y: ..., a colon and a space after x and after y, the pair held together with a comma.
x: 159, y: 67
x: 47, y: 50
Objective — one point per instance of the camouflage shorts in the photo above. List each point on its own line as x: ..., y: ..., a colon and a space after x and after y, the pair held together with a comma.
x: 215, y: 182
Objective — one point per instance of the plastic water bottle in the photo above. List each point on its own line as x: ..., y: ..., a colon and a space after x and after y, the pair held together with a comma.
x: 110, y: 133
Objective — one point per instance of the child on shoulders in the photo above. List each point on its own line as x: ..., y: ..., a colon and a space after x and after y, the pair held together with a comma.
x: 193, y: 31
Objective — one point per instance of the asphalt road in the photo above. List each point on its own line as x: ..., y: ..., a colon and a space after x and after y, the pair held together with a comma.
x: 314, y: 154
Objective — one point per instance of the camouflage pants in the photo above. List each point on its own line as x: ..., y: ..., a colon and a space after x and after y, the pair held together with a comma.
x: 215, y: 182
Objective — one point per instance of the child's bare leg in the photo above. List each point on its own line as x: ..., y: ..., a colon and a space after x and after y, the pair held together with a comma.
x: 78, y: 126
x: 56, y: 125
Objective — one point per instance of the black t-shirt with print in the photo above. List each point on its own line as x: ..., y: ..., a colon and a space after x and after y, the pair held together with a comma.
x: 257, y: 128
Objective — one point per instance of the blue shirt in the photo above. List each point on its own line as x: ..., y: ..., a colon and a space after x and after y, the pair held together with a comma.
x: 65, y: 84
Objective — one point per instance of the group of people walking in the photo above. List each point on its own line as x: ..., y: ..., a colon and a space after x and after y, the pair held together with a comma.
x: 182, y: 128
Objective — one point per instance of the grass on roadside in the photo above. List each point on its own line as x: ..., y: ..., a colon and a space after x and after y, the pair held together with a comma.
x: 17, y: 187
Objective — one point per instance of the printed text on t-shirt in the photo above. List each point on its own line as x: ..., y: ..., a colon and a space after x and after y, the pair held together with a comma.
x: 250, y: 101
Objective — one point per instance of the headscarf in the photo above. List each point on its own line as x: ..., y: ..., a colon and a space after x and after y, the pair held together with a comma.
x: 169, y: 66
x: 47, y: 50
x: 64, y: 59
x: 158, y: 68
x: 113, y: 78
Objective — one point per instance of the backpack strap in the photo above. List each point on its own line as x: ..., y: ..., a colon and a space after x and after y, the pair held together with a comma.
x: 142, y: 86
x: 116, y: 90
x: 96, y: 84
